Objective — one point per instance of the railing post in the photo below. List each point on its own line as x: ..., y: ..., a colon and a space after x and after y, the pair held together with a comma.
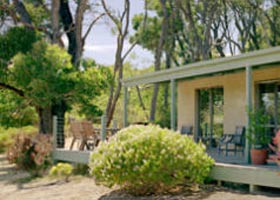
x: 103, y: 127
x: 54, y: 132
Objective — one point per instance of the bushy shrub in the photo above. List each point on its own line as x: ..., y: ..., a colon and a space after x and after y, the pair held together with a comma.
x: 7, y: 136
x: 62, y: 170
x: 31, y: 153
x: 148, y: 159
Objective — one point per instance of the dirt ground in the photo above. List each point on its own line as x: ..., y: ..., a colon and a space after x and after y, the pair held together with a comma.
x: 15, y: 185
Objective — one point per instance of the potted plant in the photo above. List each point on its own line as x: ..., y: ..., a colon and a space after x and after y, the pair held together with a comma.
x: 258, y: 136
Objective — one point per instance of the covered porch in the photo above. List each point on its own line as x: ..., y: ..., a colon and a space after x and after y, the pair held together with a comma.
x: 240, y: 78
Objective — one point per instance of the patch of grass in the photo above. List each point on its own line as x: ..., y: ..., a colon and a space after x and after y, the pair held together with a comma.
x: 24, y: 180
x: 81, y: 169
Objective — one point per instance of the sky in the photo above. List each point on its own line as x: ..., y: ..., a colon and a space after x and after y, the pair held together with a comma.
x: 101, y: 42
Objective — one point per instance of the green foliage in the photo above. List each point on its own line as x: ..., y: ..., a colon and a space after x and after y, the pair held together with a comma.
x: 148, y: 36
x: 15, y: 111
x: 146, y: 159
x: 43, y: 73
x: 7, y: 136
x: 47, y: 76
x: 258, y: 128
x: 15, y: 40
x: 61, y: 170
x: 31, y: 153
x: 38, y: 13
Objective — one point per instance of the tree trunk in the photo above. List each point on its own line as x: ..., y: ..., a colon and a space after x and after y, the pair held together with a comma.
x: 55, y: 21
x: 45, y: 120
x: 79, y: 17
x: 69, y: 28
x: 166, y: 86
x: 142, y: 105
x: 122, y: 25
x: 158, y: 55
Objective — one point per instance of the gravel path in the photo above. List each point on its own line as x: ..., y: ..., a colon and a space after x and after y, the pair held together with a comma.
x: 12, y: 187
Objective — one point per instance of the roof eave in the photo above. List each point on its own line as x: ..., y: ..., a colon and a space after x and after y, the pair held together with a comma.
x: 255, y: 58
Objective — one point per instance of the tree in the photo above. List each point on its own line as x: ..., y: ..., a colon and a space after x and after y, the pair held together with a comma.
x: 121, y: 24
x: 45, y: 77
x: 38, y: 16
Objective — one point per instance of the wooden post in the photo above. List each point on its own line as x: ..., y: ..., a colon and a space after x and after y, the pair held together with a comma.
x: 249, y: 106
x: 103, y: 127
x: 173, y: 105
x: 197, y: 117
x: 211, y: 112
x: 54, y: 132
x: 125, y: 102
x: 276, y: 108
x: 253, y: 188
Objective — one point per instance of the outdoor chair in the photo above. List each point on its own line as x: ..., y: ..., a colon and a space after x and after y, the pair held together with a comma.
x: 186, y: 130
x: 237, y: 140
x: 76, y: 131
x: 84, y: 132
x: 90, y: 136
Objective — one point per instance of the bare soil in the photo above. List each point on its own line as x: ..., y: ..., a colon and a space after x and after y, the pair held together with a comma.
x: 17, y: 185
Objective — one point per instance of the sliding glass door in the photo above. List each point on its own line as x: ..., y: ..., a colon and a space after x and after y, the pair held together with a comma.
x: 211, y: 114
x: 269, y: 101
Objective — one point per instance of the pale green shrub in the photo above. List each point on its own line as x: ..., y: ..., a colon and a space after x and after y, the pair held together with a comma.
x: 146, y: 159
x: 61, y: 171
x: 7, y: 136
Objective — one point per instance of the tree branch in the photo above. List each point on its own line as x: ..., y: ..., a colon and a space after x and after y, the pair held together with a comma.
x: 21, y: 10
x: 113, y: 18
x: 12, y: 88
x: 129, y: 50
x: 91, y: 25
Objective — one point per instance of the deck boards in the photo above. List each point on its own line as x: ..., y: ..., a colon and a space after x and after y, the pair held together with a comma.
x: 261, y: 175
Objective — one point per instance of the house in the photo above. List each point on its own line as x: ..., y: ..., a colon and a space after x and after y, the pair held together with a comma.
x: 236, y: 84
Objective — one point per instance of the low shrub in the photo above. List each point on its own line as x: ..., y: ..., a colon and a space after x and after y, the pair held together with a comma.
x: 31, y: 153
x: 7, y: 136
x: 148, y: 159
x: 62, y: 170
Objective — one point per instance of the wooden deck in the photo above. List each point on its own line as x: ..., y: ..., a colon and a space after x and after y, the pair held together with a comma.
x: 231, y: 158
x: 232, y: 169
x: 254, y: 176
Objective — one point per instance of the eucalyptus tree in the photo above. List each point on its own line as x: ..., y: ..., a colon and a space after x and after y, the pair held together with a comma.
x: 52, y: 20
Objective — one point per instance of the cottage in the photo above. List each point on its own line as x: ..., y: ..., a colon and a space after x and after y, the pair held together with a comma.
x: 219, y: 93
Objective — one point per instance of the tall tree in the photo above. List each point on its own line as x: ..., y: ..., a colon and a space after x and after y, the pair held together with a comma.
x: 26, y: 13
x: 121, y: 24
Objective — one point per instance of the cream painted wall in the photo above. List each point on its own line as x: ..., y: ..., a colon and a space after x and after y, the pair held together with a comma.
x: 234, y: 96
